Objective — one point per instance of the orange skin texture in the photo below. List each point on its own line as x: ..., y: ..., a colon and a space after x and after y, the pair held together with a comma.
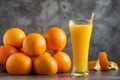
x: 34, y: 45
x: 5, y: 52
x: 19, y: 63
x: 45, y: 64
x: 63, y: 61
x: 56, y: 38
x: 14, y: 37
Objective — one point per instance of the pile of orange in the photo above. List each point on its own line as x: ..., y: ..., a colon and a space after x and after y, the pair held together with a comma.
x: 31, y: 54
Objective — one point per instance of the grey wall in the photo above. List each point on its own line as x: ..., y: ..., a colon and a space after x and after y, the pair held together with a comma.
x: 37, y: 15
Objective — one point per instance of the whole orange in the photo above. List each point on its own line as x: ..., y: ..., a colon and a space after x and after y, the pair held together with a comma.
x: 56, y: 38
x: 45, y: 64
x: 33, y: 58
x: 63, y: 61
x: 5, y: 52
x: 18, y: 63
x: 34, y: 44
x: 14, y: 37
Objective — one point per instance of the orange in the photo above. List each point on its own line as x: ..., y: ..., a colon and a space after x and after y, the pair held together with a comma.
x: 14, y: 37
x: 56, y: 38
x: 103, y: 60
x: 63, y: 61
x: 34, y: 44
x: 19, y: 63
x: 45, y: 64
x: 5, y: 52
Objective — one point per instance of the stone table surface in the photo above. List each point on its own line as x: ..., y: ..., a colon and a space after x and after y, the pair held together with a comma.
x: 94, y: 75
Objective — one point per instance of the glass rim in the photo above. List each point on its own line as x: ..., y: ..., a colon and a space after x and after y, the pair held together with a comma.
x: 79, y: 20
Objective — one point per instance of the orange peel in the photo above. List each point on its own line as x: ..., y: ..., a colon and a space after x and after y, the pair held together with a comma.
x: 102, y: 64
x: 91, y: 64
x: 113, y: 65
x: 103, y: 60
x: 97, y: 66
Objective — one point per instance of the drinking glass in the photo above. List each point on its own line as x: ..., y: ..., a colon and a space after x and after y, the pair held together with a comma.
x: 80, y: 34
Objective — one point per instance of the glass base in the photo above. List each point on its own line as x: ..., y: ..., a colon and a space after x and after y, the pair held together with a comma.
x: 80, y: 74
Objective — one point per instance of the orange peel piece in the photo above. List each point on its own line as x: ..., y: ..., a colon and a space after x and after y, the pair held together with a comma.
x: 97, y: 66
x: 103, y: 60
x: 94, y: 65
x: 91, y: 64
x: 113, y: 65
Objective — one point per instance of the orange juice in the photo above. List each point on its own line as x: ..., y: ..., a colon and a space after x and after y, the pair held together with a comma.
x: 80, y: 37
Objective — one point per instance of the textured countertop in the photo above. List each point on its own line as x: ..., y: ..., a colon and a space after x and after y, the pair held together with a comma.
x: 94, y: 75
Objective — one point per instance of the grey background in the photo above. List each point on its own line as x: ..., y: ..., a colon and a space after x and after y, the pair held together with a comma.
x: 38, y: 15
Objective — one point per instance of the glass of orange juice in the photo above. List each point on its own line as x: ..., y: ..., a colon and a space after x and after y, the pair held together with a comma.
x: 80, y: 34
